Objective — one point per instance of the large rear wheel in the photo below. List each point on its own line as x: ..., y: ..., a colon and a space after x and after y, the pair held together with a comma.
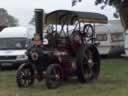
x: 0, y: 67
x: 88, y: 65
x: 53, y: 76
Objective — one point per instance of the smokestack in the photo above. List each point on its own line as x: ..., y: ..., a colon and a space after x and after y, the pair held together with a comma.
x: 39, y: 13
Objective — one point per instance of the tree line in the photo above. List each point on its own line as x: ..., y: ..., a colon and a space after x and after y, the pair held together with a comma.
x: 121, y: 7
x: 6, y: 19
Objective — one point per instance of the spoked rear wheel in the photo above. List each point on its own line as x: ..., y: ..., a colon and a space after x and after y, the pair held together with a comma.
x: 92, y: 67
x: 25, y: 77
x: 0, y: 67
x: 53, y: 76
x: 88, y: 66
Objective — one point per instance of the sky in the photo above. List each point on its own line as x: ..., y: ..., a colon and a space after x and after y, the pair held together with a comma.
x: 23, y: 10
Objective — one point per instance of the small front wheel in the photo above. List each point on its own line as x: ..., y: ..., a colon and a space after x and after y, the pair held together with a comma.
x: 53, y: 76
x: 25, y: 77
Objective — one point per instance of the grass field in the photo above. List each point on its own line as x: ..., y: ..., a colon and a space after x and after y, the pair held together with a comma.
x: 113, y: 81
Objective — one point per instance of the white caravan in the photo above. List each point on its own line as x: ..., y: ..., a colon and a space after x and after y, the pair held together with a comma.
x: 14, y: 42
x: 126, y: 44
x: 110, y: 38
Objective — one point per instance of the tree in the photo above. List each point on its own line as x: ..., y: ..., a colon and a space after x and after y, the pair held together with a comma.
x: 75, y: 1
x: 121, y: 8
x: 7, y: 19
x: 12, y: 21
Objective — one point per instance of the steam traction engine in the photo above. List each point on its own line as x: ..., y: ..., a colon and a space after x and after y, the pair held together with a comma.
x: 57, y: 55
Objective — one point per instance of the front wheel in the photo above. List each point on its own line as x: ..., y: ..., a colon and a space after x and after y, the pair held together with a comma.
x: 53, y: 76
x: 25, y: 76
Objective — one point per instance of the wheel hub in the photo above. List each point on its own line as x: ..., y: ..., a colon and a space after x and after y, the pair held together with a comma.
x: 90, y: 63
x: 57, y: 76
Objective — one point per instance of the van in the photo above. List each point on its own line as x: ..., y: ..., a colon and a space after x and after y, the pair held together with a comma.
x: 14, y: 42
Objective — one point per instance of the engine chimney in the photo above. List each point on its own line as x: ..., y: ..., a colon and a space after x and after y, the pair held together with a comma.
x: 39, y: 15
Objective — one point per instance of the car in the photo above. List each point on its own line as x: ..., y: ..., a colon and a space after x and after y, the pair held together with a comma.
x: 65, y: 54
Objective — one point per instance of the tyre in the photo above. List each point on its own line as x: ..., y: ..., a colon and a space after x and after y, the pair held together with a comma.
x: 93, y: 63
x: 25, y: 77
x: 53, y: 76
x: 88, y: 65
x: 0, y: 67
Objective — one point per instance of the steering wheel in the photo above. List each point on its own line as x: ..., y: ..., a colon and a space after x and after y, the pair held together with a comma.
x: 88, y: 32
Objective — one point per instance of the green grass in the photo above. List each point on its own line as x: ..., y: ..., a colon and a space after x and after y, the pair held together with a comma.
x: 113, y: 81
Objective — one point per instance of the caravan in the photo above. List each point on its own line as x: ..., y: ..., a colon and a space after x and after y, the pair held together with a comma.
x: 110, y: 38
x: 126, y: 44
x: 14, y: 42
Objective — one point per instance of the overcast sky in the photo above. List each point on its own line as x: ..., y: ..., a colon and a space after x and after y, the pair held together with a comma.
x: 23, y: 10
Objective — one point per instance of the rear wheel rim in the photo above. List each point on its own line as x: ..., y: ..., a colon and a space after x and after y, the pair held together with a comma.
x: 87, y: 64
x: 55, y: 77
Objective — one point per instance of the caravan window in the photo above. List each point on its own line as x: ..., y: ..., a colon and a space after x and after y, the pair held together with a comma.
x: 101, y: 37
x: 117, y: 37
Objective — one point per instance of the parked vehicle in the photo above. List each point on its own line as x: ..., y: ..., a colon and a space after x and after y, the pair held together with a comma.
x: 14, y: 42
x: 126, y: 43
x: 65, y: 54
x: 110, y: 38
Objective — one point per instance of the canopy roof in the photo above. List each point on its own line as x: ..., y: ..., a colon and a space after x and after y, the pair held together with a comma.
x: 69, y: 17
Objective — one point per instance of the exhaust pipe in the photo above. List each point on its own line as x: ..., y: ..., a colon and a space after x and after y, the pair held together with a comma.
x: 39, y: 15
